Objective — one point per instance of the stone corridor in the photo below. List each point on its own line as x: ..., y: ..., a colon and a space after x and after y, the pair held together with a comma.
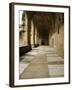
x: 41, y: 62
x: 41, y: 44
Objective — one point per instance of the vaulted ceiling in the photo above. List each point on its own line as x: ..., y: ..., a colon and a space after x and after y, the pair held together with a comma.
x: 43, y: 20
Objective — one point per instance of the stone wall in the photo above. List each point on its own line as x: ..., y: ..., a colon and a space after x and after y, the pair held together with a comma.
x: 23, y: 31
x: 56, y: 35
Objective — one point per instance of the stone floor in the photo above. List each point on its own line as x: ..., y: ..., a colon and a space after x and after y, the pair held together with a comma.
x: 41, y: 62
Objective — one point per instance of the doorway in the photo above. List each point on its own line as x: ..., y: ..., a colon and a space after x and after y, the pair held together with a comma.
x: 42, y: 43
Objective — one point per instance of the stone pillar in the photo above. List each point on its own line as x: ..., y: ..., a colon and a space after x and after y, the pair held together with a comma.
x: 26, y: 35
x: 28, y: 30
x: 32, y: 34
x: 35, y: 35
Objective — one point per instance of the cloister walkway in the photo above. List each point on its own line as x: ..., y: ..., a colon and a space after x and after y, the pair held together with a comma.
x: 41, y: 62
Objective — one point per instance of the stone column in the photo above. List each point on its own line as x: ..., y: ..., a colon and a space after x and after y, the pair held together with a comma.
x: 32, y: 34
x: 25, y: 28
x: 28, y: 30
x: 35, y: 35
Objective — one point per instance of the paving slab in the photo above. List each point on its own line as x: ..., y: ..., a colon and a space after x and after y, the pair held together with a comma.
x: 38, y: 68
x: 41, y: 62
